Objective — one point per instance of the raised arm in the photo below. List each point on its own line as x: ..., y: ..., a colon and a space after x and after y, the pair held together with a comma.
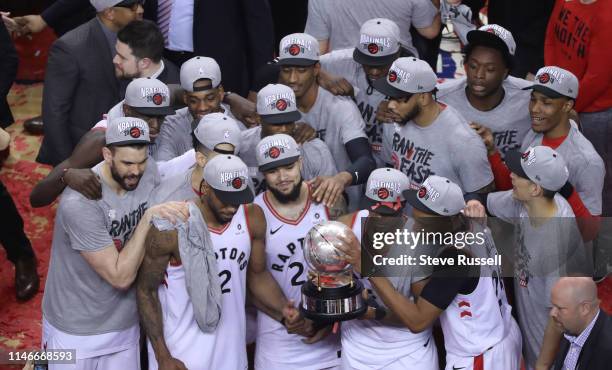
x: 74, y: 172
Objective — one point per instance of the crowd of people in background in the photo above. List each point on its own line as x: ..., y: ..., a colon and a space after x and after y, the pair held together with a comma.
x: 194, y: 144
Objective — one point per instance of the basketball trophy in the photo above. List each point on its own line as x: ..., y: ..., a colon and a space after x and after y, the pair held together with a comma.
x: 331, y: 293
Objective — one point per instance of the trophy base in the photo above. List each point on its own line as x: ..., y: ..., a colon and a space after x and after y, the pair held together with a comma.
x: 332, y: 304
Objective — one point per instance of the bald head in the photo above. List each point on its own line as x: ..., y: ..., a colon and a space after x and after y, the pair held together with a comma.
x: 574, y: 303
x: 576, y: 289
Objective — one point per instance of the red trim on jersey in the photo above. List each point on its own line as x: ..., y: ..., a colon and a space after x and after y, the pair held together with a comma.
x: 220, y: 230
x: 353, y: 219
x: 198, y: 193
x: 553, y: 143
x: 464, y: 304
x: 327, y: 212
x: 246, y: 219
x: 465, y: 313
x: 479, y: 362
x: 286, y: 220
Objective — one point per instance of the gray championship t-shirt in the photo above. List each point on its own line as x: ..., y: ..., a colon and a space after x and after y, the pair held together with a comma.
x: 586, y: 168
x: 77, y: 300
x: 175, y: 188
x: 339, y: 21
x: 341, y: 63
x: 175, y: 133
x: 447, y: 147
x: 541, y: 254
x: 316, y: 158
x: 509, y: 121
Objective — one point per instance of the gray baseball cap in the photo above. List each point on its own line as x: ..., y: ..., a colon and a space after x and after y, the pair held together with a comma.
x: 407, y: 76
x: 100, y: 5
x: 126, y: 131
x: 275, y: 151
x: 378, y: 42
x: 217, y: 128
x: 540, y: 164
x: 437, y: 195
x: 198, y: 68
x: 385, y: 190
x: 148, y: 96
x: 555, y: 82
x: 276, y: 104
x: 493, y: 36
x: 298, y: 49
x: 228, y: 176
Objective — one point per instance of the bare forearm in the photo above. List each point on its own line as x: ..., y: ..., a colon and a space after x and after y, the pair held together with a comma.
x: 5, y: 139
x: 550, y: 346
x: 151, y: 320
x: 266, y: 294
x: 49, y: 188
x: 403, y: 310
x: 130, y: 257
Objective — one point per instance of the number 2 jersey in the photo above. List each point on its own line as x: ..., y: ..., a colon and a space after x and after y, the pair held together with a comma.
x: 225, y: 348
x: 276, y: 349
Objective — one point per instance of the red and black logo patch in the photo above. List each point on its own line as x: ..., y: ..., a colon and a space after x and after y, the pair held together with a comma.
x: 492, y: 30
x: 294, y: 49
x: 157, y: 99
x: 544, y: 78
x: 373, y: 48
x: 525, y: 155
x: 392, y: 76
x: 237, y: 183
x: 135, y: 132
x: 274, y: 152
x: 422, y: 192
x: 281, y: 104
x: 383, y: 193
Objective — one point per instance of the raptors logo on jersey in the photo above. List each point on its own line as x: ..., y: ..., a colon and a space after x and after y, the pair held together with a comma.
x: 276, y: 349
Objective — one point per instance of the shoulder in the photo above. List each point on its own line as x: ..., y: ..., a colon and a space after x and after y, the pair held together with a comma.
x: 451, y: 86
x: 512, y: 82
x: 315, y: 145
x: 161, y: 242
x: 457, y: 124
x: 77, y: 36
x: 584, y: 148
x: 256, y: 220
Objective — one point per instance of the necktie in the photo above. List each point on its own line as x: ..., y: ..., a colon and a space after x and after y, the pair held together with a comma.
x: 164, y: 10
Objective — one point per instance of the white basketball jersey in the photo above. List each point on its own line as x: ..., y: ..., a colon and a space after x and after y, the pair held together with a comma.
x: 225, y: 348
x: 276, y: 349
x: 475, y: 322
x: 369, y: 344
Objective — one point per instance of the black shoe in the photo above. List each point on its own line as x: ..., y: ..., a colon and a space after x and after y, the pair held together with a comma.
x: 27, y: 281
x: 34, y: 126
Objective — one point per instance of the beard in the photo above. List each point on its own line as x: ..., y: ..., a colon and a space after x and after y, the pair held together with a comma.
x: 410, y: 115
x: 293, y: 195
x: 121, y: 180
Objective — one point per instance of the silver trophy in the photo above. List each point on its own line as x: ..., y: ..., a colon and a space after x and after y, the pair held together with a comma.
x: 331, y: 292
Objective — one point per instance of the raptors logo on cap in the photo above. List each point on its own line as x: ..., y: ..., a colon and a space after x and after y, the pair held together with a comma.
x: 294, y: 49
x: 392, y: 76
x: 373, y: 48
x: 492, y: 30
x: 525, y: 155
x: 274, y: 152
x: 157, y: 99
x: 544, y: 78
x: 383, y: 193
x: 281, y: 104
x: 237, y: 183
x: 135, y: 132
x: 422, y: 192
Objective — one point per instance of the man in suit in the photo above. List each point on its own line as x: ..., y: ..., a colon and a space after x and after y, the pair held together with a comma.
x: 238, y: 34
x: 8, y: 71
x: 587, y: 330
x: 139, y: 50
x: 80, y: 83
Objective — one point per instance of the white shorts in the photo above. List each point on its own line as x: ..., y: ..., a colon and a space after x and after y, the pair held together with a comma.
x: 128, y: 359
x: 251, y: 324
x: 505, y: 355
x: 425, y: 358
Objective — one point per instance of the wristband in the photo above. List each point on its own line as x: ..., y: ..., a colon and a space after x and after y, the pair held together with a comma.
x: 64, y: 174
x: 567, y: 190
x: 380, y: 313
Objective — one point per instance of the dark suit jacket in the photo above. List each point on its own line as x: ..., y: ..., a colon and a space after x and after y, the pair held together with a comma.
x: 8, y: 72
x: 170, y: 75
x: 238, y: 34
x: 80, y: 86
x: 597, y: 351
